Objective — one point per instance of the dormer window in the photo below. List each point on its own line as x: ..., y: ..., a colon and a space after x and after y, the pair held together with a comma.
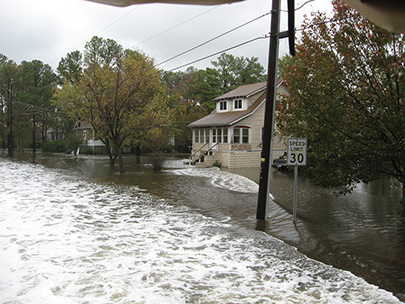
x: 237, y: 104
x: 223, y: 105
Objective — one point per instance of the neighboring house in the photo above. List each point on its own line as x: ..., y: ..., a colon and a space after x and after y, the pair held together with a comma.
x: 86, y: 132
x: 232, y: 133
x: 54, y: 134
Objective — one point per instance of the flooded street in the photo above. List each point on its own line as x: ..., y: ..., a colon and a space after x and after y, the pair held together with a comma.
x: 73, y: 231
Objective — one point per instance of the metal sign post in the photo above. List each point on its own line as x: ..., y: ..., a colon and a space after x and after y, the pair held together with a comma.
x: 296, y: 156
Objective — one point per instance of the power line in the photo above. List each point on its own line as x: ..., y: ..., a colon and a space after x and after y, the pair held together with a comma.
x: 204, y: 43
x: 211, y: 55
x: 212, y: 39
x: 220, y: 52
x: 103, y: 29
x: 177, y: 25
x: 181, y: 66
x: 300, y: 7
x: 325, y: 22
x: 305, y: 3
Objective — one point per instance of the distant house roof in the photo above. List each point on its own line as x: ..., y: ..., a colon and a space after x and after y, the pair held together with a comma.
x: 81, y: 125
x: 232, y: 117
x: 243, y: 91
x: 227, y: 118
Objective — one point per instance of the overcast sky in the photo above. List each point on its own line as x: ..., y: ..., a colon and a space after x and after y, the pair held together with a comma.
x: 49, y: 29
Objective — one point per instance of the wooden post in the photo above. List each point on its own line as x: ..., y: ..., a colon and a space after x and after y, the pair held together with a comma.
x: 267, y: 148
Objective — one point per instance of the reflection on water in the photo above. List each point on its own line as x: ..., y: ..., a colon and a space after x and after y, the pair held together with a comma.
x: 362, y: 232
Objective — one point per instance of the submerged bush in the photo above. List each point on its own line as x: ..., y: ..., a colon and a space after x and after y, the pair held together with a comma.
x: 157, y: 161
x: 217, y: 164
x: 54, y: 146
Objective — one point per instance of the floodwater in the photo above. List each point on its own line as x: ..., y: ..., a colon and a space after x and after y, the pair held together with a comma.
x: 74, y: 231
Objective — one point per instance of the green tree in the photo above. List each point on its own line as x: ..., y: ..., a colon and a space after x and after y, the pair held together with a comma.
x: 235, y: 71
x: 190, y: 97
x: 192, y: 92
x: 8, y: 81
x: 347, y: 89
x: 70, y: 67
x: 283, y: 65
x: 114, y: 94
x: 37, y: 83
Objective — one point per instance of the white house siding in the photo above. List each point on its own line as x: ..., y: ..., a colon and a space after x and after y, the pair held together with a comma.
x: 233, y: 159
x: 252, y: 99
x: 245, y: 155
x: 240, y: 158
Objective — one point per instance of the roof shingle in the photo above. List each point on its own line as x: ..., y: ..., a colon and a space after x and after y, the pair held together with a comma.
x: 227, y: 118
x: 243, y: 91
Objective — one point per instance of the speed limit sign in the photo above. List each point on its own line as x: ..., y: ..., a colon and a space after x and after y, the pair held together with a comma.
x: 297, y: 152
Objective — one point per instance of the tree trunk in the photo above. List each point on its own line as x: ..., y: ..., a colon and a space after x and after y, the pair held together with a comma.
x: 112, y: 160
x: 121, y: 161
x: 44, y: 128
x: 10, y: 137
x: 34, y: 148
x: 10, y: 145
x: 111, y: 156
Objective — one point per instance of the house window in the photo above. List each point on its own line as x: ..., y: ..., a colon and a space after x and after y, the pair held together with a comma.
x: 202, y: 136
x: 196, y: 135
x: 245, y: 136
x: 223, y: 105
x: 236, y: 136
x: 220, y: 135
x: 237, y: 104
x: 207, y: 135
x: 241, y: 135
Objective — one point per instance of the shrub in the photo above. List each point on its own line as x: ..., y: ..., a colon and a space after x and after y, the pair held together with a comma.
x: 54, y: 146
x: 158, y: 161
x: 217, y: 164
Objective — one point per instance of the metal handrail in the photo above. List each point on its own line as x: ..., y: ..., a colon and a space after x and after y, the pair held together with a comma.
x: 205, y: 153
x: 198, y: 151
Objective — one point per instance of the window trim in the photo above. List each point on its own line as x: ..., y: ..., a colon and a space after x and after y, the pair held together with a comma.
x: 239, y: 102
x: 196, y: 136
x: 236, y: 136
x: 223, y: 106
x: 243, y: 138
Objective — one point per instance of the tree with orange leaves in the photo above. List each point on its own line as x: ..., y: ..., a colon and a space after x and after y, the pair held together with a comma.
x: 347, y: 96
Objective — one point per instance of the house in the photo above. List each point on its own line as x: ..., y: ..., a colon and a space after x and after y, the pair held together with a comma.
x: 232, y: 134
x: 54, y: 134
x: 86, y: 132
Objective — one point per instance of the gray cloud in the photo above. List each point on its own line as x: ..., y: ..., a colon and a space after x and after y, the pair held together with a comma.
x: 48, y: 29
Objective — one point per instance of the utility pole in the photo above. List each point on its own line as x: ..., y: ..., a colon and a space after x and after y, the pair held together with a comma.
x: 268, y: 132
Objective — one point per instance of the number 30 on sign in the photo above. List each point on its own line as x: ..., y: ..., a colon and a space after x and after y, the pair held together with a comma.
x: 297, y: 152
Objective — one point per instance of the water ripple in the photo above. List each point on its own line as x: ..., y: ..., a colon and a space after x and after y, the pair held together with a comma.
x: 66, y: 240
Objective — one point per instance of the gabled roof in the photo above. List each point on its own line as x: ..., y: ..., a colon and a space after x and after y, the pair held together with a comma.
x: 82, y: 125
x: 232, y: 117
x: 227, y: 118
x: 243, y: 91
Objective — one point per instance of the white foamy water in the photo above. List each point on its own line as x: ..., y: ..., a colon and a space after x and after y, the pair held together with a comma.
x: 222, y: 179
x: 64, y: 239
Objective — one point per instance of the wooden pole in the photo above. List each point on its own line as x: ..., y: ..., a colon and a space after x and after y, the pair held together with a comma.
x: 267, y: 148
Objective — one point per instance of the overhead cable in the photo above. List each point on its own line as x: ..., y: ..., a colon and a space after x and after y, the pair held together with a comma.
x: 212, y: 39
x: 220, y: 52
x: 177, y: 25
